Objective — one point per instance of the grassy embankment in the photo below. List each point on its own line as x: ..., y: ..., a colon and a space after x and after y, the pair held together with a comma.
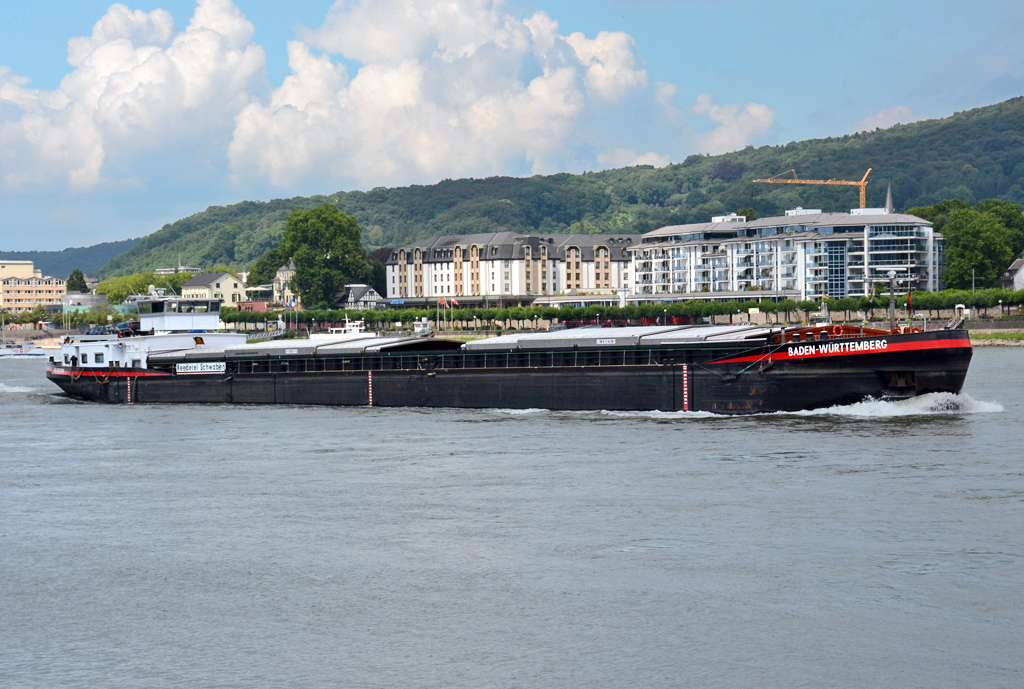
x: 997, y: 336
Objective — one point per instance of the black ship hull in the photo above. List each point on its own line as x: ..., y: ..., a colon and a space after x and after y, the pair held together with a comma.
x: 731, y: 380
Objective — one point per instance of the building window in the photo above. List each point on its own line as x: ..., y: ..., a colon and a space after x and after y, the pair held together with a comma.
x: 99, y: 358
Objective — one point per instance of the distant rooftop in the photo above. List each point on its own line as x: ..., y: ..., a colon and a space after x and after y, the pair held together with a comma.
x: 809, y: 219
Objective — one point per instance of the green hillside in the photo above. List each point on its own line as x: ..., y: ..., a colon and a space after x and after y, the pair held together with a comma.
x: 59, y: 264
x: 973, y: 155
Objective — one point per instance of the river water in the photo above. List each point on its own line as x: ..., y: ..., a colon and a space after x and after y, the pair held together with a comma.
x: 212, y: 546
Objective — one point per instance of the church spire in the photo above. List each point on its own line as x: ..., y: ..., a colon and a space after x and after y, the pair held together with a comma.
x: 888, y: 201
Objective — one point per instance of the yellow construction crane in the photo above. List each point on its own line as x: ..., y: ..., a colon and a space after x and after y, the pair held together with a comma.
x: 863, y: 183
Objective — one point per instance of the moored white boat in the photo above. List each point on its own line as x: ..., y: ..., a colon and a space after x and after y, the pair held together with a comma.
x: 352, y: 330
x: 13, y: 348
x: 27, y: 349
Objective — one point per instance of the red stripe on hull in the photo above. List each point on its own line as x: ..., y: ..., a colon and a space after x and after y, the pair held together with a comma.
x: 104, y: 373
x: 831, y: 348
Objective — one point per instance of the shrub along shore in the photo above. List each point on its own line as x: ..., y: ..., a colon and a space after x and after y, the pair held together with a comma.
x: 933, y: 305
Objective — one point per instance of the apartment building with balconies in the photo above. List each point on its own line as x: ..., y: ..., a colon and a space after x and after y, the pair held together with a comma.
x: 23, y: 287
x: 805, y: 254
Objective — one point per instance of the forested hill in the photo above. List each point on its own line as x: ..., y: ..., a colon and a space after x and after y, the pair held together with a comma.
x: 59, y: 264
x: 973, y: 155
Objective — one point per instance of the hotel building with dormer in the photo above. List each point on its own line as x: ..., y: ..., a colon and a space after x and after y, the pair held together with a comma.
x: 507, y: 267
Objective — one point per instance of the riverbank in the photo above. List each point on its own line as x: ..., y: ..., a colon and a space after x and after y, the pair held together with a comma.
x: 997, y: 338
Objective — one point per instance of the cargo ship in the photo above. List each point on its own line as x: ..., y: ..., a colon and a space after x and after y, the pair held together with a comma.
x: 170, y: 355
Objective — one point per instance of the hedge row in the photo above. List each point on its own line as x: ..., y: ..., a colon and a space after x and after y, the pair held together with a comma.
x: 922, y: 301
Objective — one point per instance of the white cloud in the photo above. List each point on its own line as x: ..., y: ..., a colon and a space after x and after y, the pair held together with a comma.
x: 609, y: 62
x: 135, y: 85
x: 737, y: 126
x: 384, y: 92
x: 665, y: 96
x: 883, y: 119
x: 443, y: 89
x: 624, y: 157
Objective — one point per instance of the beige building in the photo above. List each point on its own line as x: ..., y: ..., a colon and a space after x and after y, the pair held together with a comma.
x: 22, y: 287
x: 215, y: 286
x: 508, y: 266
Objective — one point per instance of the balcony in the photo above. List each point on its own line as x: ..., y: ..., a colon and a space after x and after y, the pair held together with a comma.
x: 881, y: 265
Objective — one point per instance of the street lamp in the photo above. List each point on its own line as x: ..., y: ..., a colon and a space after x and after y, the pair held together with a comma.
x: 1000, y: 308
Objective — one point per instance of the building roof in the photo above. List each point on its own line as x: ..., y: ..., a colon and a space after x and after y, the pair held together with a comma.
x: 1014, y: 267
x: 206, y: 279
x: 352, y: 294
x: 808, y: 221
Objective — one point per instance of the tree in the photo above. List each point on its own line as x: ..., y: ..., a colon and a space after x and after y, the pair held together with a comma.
x: 748, y: 213
x: 120, y: 288
x: 262, y: 272
x: 36, y: 314
x: 221, y: 268
x: 76, y: 282
x: 326, y: 246
x: 940, y: 213
x: 1010, y: 217
x: 378, y: 272
x: 975, y: 242
x: 844, y: 304
x: 378, y: 278
x: 806, y: 305
x: 786, y: 306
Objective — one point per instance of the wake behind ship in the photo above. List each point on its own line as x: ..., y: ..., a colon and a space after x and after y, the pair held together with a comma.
x: 170, y: 356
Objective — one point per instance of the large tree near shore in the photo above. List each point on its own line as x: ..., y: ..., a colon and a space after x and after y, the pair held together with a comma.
x: 975, y: 242
x: 326, y: 246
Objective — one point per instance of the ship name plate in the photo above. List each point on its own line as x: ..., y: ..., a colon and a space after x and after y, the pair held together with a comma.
x: 201, y: 367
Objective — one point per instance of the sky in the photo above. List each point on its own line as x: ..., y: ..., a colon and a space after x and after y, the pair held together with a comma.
x: 118, y: 118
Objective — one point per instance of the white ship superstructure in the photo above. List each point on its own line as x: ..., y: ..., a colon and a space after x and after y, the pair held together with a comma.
x: 165, y: 324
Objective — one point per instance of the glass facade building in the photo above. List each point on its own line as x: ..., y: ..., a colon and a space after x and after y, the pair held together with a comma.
x: 805, y: 254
